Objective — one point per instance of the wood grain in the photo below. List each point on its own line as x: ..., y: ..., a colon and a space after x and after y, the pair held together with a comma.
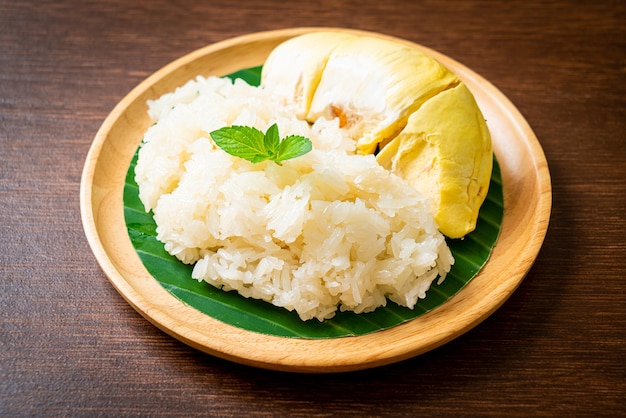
x: 70, y: 345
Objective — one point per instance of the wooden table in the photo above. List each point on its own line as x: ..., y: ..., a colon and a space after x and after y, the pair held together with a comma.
x: 71, y: 346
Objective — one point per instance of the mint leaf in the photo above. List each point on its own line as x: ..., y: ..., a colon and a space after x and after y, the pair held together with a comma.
x: 251, y: 144
x: 272, y: 140
x: 241, y: 141
x: 293, y: 146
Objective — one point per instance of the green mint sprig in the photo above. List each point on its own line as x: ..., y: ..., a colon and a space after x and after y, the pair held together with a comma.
x: 253, y: 145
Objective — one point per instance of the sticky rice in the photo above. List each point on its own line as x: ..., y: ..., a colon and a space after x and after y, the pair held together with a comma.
x: 325, y: 231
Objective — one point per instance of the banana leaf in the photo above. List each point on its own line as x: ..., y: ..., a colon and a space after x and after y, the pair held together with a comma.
x: 470, y: 254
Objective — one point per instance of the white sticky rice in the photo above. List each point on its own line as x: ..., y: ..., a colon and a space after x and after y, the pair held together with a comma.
x: 325, y: 231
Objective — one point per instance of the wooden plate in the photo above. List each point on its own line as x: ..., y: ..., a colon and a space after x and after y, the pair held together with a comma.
x: 527, y: 200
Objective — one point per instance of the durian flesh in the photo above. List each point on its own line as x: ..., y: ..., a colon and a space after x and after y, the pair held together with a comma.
x: 394, y: 99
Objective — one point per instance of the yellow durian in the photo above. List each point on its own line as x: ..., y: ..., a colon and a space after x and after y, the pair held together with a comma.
x: 445, y: 152
x: 396, y: 101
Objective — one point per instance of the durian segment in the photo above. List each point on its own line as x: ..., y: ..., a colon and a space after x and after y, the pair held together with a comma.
x: 445, y: 151
x: 294, y: 68
x: 395, y: 99
x: 373, y: 85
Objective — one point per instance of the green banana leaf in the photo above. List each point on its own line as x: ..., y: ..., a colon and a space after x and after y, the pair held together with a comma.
x: 470, y: 256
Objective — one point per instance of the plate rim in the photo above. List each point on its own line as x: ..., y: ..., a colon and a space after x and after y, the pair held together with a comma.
x: 285, y: 353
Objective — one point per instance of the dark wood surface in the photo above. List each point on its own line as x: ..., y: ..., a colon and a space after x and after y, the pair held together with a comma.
x: 71, y: 346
